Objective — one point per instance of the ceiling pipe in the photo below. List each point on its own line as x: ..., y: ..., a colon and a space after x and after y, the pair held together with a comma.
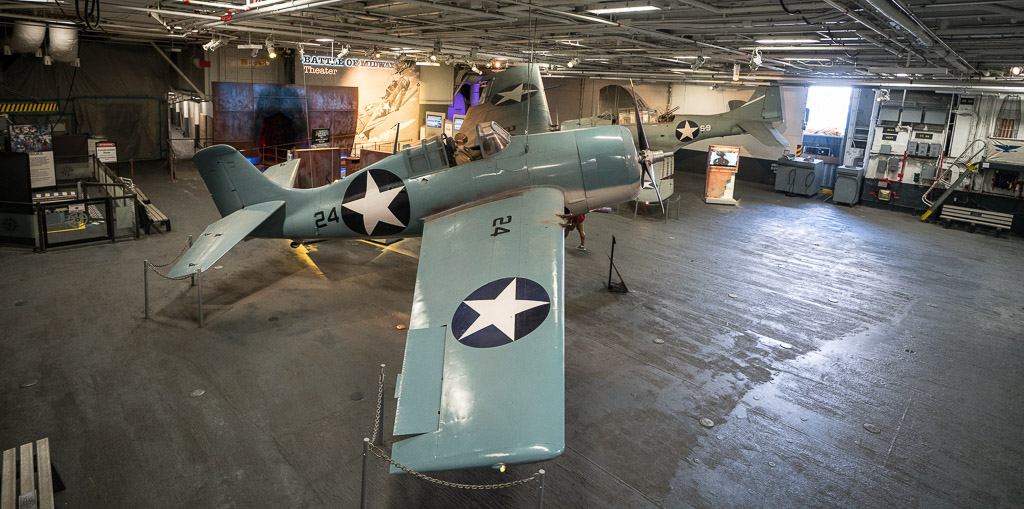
x: 460, y: 10
x: 747, y: 10
x: 952, y: 57
x: 175, y: 67
x: 898, y: 19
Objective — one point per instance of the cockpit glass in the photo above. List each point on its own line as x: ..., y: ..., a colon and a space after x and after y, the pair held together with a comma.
x: 493, y: 138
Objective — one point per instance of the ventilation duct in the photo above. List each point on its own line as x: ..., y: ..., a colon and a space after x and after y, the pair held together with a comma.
x: 63, y: 43
x: 27, y: 37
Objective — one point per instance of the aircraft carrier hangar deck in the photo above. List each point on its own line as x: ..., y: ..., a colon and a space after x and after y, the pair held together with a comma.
x: 838, y: 369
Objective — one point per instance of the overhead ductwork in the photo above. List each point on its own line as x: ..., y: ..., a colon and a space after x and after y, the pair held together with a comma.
x: 27, y: 37
x: 63, y: 43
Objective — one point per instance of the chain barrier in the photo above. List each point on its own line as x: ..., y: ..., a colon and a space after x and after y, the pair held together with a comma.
x: 380, y: 453
x: 154, y: 266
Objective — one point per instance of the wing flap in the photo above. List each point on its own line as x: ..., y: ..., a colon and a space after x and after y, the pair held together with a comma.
x: 221, y: 236
x: 490, y: 279
x: 420, y: 390
x: 764, y: 133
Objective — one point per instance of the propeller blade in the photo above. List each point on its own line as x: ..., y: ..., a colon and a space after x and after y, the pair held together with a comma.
x: 640, y: 134
x: 645, y: 149
x: 650, y: 172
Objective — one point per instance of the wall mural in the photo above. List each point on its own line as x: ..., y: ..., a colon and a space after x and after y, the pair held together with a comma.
x: 389, y: 92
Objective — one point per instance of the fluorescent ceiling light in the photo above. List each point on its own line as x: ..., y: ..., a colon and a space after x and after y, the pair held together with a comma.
x: 627, y: 8
x: 431, y: 64
x: 904, y: 71
x: 785, y: 41
x: 685, y: 58
x: 324, y: 39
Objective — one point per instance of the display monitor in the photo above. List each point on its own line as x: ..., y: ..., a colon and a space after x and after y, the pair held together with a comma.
x: 723, y: 157
x: 434, y: 120
x: 458, y: 123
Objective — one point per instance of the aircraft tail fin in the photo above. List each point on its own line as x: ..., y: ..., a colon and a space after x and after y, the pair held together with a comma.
x: 765, y: 105
x: 233, y: 181
x: 515, y: 99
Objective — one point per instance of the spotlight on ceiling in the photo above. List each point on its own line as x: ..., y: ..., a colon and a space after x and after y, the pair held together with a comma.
x: 433, y: 58
x: 1016, y: 70
x: 270, y: 48
x: 883, y: 95
x: 755, y: 59
x: 498, y: 64
x: 699, y: 62
x: 475, y: 69
x: 572, y: 63
x: 376, y: 52
x: 344, y: 51
x: 215, y: 43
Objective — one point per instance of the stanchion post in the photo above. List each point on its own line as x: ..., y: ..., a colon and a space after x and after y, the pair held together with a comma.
x: 380, y: 431
x: 199, y: 277
x: 540, y: 490
x: 145, y: 284
x: 190, y: 247
x: 362, y: 490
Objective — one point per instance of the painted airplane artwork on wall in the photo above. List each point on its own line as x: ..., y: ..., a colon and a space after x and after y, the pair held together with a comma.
x: 489, y: 302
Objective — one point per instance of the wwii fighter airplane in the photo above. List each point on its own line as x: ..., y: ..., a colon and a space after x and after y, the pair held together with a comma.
x: 488, y: 305
x: 755, y: 117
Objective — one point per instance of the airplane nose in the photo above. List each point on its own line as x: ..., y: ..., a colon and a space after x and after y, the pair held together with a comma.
x: 610, y: 165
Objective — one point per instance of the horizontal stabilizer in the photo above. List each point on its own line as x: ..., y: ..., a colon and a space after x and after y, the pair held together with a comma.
x: 283, y: 174
x: 221, y: 236
x: 764, y: 133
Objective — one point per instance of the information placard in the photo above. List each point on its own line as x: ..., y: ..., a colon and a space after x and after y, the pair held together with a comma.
x: 37, y: 142
x: 106, y: 151
x: 321, y: 138
x: 723, y: 162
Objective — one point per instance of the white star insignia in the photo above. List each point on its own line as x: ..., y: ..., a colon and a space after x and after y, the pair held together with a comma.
x: 374, y: 205
x: 501, y: 311
x: 514, y: 95
x: 682, y: 131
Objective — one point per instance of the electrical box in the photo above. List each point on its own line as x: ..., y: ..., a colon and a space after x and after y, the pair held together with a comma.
x: 937, y: 117
x: 894, y: 164
x: 912, y: 148
x: 885, y: 149
x: 928, y: 171
x: 889, y: 114
x: 934, y: 150
x: 847, y: 187
x: 799, y: 176
x: 911, y: 115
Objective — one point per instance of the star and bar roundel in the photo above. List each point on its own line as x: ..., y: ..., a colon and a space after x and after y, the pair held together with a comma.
x: 500, y: 312
x: 687, y: 130
x: 376, y: 203
x: 514, y: 94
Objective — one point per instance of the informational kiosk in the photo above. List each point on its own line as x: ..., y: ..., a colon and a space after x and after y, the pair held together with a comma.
x: 721, y: 174
x: 433, y: 123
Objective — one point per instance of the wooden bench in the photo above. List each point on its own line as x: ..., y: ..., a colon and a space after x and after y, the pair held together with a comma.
x: 26, y: 483
x: 974, y: 217
x: 149, y: 214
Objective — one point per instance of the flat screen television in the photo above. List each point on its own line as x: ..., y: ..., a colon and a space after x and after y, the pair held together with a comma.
x: 434, y: 120
x: 723, y: 157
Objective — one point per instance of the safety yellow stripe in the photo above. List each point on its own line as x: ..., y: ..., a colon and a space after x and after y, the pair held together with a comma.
x: 27, y: 107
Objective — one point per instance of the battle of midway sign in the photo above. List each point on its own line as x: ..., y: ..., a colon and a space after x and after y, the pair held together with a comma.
x: 316, y: 64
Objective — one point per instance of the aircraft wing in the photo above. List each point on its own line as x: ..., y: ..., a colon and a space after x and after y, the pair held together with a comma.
x: 763, y: 132
x: 483, y: 378
x: 221, y: 236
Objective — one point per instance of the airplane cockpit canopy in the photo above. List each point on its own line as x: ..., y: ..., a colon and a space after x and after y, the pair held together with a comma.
x: 427, y: 157
x: 492, y: 138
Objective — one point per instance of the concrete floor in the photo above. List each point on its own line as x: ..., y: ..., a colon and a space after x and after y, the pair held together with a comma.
x: 849, y: 357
